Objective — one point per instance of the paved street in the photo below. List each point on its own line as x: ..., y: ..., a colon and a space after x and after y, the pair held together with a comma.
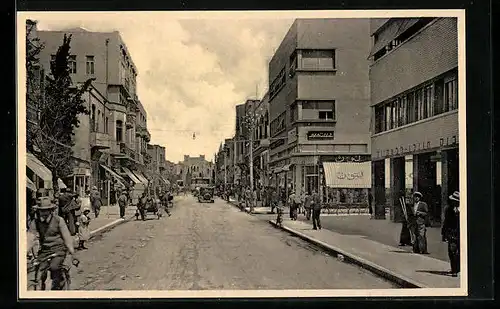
x: 210, y: 246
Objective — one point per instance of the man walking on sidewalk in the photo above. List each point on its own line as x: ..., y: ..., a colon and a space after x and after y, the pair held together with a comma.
x: 308, y: 206
x: 451, y: 232
x: 95, y: 201
x: 316, y: 208
x: 421, y: 211
x: 122, y: 203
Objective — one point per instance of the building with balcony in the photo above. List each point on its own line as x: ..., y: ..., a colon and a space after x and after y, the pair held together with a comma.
x: 319, y: 104
x: 414, y: 95
x: 104, y: 56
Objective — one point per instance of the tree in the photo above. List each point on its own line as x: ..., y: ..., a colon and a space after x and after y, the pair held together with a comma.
x: 34, y: 73
x: 59, y: 108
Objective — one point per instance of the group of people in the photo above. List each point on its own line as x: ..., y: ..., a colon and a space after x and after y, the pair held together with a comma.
x: 147, y: 201
x: 414, y: 228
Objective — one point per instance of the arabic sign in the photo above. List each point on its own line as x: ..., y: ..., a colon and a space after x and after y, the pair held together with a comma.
x: 348, y: 174
x: 315, y: 135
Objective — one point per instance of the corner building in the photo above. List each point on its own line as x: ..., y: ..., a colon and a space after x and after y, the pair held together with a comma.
x: 319, y: 101
x: 414, y: 92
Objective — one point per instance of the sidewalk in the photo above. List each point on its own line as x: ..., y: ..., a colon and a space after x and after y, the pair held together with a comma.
x: 109, y: 217
x: 405, y: 268
x: 382, y: 231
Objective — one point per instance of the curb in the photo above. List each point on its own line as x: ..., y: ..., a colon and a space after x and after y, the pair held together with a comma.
x: 398, y: 279
x: 108, y: 227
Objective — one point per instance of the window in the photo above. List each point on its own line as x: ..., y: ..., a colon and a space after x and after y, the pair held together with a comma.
x: 318, y: 60
x: 278, y: 124
x: 379, y: 119
x: 294, y: 113
x: 326, y: 115
x: 98, y: 120
x: 419, y: 105
x: 277, y: 84
x: 90, y: 65
x: 119, y: 131
x: 450, y: 95
x: 92, y: 119
x: 106, y: 125
x: 72, y: 64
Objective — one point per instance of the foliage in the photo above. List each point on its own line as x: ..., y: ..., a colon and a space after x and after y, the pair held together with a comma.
x: 59, y: 107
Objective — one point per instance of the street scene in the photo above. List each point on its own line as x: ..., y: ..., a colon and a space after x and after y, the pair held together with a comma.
x: 168, y: 154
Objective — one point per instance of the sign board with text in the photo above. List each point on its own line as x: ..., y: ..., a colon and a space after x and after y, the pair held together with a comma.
x: 320, y: 135
x: 435, y: 134
x: 348, y: 174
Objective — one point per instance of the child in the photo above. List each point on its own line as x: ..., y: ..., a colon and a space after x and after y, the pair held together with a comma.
x: 83, y: 228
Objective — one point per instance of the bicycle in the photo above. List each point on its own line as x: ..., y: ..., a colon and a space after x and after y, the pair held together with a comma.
x: 35, y: 266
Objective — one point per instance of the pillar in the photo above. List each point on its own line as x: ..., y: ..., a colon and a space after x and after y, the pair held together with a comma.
x: 378, y: 188
x: 397, y: 186
x: 449, y: 176
x: 298, y: 179
x: 424, y: 176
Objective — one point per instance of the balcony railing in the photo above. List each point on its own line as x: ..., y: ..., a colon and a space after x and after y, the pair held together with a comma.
x: 124, y: 149
x: 100, y: 140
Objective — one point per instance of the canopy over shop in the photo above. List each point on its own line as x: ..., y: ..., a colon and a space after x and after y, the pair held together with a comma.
x: 347, y: 182
x: 39, y: 176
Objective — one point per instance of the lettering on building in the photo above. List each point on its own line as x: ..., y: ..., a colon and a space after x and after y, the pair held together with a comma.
x: 320, y: 135
x: 417, y: 146
x: 350, y: 176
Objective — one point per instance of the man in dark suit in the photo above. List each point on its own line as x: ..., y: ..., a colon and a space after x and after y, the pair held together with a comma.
x: 421, y: 211
x: 316, y: 210
x: 451, y: 232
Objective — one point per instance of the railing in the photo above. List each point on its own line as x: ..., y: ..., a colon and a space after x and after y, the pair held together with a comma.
x: 124, y: 149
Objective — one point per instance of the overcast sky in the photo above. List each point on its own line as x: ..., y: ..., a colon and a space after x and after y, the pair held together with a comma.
x: 192, y: 71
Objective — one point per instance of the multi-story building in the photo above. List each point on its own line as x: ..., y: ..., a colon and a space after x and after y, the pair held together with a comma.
x: 157, y: 167
x: 104, y: 57
x: 259, y: 111
x: 319, y: 98
x: 196, y: 170
x: 414, y: 95
x: 238, y: 144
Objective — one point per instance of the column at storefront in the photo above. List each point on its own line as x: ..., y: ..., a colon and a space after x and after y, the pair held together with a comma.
x: 378, y: 188
x: 397, y: 186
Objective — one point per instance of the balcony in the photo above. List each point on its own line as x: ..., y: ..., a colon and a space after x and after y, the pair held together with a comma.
x: 131, y: 117
x: 100, y: 140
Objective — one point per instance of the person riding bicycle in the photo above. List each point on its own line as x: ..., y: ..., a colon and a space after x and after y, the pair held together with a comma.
x: 50, y: 233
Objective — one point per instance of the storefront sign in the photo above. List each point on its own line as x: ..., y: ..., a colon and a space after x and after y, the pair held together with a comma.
x: 292, y: 135
x: 320, y: 135
x: 418, y: 146
x: 347, y: 175
x: 350, y: 175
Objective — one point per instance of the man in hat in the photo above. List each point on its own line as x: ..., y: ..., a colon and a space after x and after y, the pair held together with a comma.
x: 316, y: 210
x: 122, y: 203
x: 451, y: 232
x: 50, y: 232
x: 294, y: 202
x: 420, y: 211
x: 95, y: 201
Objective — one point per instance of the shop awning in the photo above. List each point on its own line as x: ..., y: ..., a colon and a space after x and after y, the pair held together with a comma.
x: 38, y: 168
x: 141, y: 177
x: 131, y: 175
x: 391, y: 32
x: 30, y: 185
x: 348, y: 174
x: 114, y: 174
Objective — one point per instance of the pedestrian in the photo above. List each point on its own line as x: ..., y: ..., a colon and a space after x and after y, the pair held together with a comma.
x: 83, y: 228
x: 50, y: 234
x: 451, y: 232
x: 253, y: 201
x: 308, y: 206
x: 122, y: 203
x: 67, y: 206
x: 420, y: 210
x: 274, y: 199
x: 95, y: 201
x: 294, y: 203
x: 316, y: 209
x: 405, y: 238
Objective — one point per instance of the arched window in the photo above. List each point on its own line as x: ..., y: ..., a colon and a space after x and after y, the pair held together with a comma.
x: 119, y: 131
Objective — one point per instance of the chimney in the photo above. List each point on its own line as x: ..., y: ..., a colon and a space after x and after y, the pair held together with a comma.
x: 186, y: 157
x: 202, y: 157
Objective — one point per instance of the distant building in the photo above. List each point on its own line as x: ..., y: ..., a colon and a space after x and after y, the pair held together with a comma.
x: 196, y: 170
x: 414, y: 96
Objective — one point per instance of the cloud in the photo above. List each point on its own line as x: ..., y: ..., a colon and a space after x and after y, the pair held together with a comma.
x: 191, y: 72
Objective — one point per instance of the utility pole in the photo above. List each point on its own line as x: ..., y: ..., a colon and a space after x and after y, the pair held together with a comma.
x: 251, y: 159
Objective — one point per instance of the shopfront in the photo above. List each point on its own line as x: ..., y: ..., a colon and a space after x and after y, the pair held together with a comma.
x: 347, y: 183
x: 422, y: 157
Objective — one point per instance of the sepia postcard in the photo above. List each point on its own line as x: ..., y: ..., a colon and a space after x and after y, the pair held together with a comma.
x: 241, y: 154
